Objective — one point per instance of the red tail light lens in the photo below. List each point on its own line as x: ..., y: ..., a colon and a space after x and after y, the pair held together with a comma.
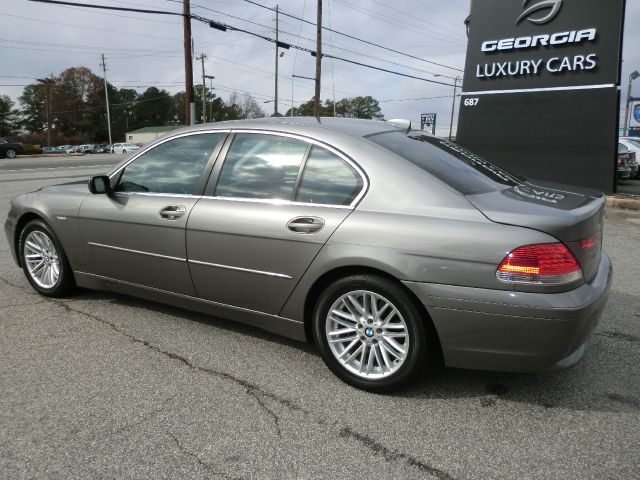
x: 543, y: 264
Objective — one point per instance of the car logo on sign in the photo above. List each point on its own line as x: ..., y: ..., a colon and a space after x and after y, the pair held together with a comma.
x: 553, y: 5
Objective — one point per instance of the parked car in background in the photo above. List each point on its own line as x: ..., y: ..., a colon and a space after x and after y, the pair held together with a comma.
x: 87, y: 148
x: 125, y: 147
x: 626, y: 162
x: 10, y: 149
x: 46, y: 150
x: 386, y: 247
x: 97, y: 148
x: 633, y: 144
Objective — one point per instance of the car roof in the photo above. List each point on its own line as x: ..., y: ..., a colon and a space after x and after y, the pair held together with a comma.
x: 350, y: 126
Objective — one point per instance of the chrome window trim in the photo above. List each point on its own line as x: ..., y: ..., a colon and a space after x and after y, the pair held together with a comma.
x: 312, y: 141
x: 240, y: 269
x: 143, y: 150
x: 276, y: 201
x: 139, y: 252
x: 159, y: 194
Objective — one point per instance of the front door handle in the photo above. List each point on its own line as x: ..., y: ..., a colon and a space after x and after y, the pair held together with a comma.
x: 173, y: 212
x: 305, y: 224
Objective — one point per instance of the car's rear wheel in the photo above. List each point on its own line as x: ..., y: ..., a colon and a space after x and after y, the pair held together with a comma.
x: 44, y: 261
x: 370, y: 332
x: 10, y: 153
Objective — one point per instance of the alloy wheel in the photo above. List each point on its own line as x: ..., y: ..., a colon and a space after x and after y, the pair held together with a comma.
x: 42, y: 259
x: 367, y: 334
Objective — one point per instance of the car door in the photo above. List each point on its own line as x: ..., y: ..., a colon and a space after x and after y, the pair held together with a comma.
x: 265, y: 216
x: 137, y: 234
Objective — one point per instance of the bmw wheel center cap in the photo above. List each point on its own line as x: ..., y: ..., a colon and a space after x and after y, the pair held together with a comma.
x: 369, y: 332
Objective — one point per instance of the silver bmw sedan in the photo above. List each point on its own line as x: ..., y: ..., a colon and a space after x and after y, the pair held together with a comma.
x: 387, y: 247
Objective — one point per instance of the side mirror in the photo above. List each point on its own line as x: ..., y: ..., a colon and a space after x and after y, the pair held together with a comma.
x: 100, y: 184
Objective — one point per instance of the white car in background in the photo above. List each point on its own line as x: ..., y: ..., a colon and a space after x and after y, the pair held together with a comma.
x: 633, y: 145
x: 124, y: 147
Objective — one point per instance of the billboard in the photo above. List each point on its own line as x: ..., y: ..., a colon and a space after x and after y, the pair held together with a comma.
x: 634, y: 120
x: 540, y: 93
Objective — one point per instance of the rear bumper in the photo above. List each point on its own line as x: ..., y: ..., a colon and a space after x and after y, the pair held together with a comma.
x: 515, y: 331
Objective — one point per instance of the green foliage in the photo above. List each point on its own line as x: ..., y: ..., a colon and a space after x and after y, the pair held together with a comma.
x: 75, y: 100
x: 356, y: 107
x: 7, y: 116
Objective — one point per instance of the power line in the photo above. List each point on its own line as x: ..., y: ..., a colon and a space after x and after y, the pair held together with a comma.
x: 224, y: 27
x: 355, y: 38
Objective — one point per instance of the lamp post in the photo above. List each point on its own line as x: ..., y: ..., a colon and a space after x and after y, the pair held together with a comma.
x: 210, y: 77
x: 453, y: 104
x: 632, y: 77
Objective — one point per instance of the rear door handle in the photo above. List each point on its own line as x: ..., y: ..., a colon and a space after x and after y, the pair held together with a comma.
x: 173, y: 212
x: 305, y: 224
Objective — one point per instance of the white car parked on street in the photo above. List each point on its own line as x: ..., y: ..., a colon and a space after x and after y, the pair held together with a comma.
x: 124, y: 147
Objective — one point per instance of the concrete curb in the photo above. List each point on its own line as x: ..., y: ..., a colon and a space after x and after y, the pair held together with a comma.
x: 624, y: 203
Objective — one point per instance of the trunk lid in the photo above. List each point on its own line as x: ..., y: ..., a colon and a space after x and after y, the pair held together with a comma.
x: 570, y: 214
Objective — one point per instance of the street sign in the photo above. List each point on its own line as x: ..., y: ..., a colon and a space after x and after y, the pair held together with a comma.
x: 428, y: 120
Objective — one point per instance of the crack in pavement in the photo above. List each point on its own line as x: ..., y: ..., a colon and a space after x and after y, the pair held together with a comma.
x: 10, y: 284
x: 259, y: 394
x: 2, y: 307
x: 150, y: 416
x: 258, y: 397
x: 198, y: 460
x: 618, y: 335
x: 394, y: 455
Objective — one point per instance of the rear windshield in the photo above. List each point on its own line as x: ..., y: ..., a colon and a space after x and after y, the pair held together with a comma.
x: 464, y: 171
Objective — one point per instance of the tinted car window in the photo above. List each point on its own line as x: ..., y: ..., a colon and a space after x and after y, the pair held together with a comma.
x: 261, y: 166
x: 464, y: 171
x: 174, y: 166
x: 328, y: 179
x: 622, y: 147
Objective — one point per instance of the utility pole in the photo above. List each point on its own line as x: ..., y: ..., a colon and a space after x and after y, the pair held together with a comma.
x: 204, y: 97
x: 106, y: 97
x: 275, y: 103
x: 48, y: 82
x: 316, y: 102
x: 188, y: 63
x: 210, y: 77
x: 453, y: 105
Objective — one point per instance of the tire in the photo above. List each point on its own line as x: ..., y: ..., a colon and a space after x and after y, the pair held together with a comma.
x: 10, y: 153
x: 362, y: 355
x: 124, y: 151
x: 54, y: 278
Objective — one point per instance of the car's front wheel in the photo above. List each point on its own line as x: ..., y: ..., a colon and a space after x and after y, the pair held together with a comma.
x: 44, y: 261
x: 371, y: 333
x: 10, y: 153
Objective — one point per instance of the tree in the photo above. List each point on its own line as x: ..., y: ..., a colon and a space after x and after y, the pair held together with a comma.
x: 7, y: 116
x: 153, y: 108
x: 359, y: 107
x: 356, y: 107
x: 247, y: 107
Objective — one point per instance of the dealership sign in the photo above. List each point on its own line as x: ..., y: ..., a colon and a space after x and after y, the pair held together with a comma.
x: 540, y: 91
x: 635, y: 114
x: 542, y: 44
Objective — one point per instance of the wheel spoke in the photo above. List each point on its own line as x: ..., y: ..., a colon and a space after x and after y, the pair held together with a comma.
x: 344, y: 339
x: 355, y: 353
x: 346, y: 350
x: 341, y: 331
x: 385, y: 358
x: 363, y: 355
x: 354, y: 302
x: 386, y: 346
x: 343, y: 315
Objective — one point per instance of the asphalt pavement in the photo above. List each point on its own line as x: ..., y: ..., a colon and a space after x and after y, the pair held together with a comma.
x: 100, y: 385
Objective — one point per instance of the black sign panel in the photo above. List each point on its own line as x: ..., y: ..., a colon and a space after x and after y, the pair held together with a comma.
x: 536, y: 136
x: 541, y: 88
x: 545, y: 43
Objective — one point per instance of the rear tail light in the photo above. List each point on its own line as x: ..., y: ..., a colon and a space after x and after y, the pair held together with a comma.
x: 541, y: 264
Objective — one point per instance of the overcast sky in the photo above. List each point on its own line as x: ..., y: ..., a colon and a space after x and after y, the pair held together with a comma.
x: 146, y: 50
